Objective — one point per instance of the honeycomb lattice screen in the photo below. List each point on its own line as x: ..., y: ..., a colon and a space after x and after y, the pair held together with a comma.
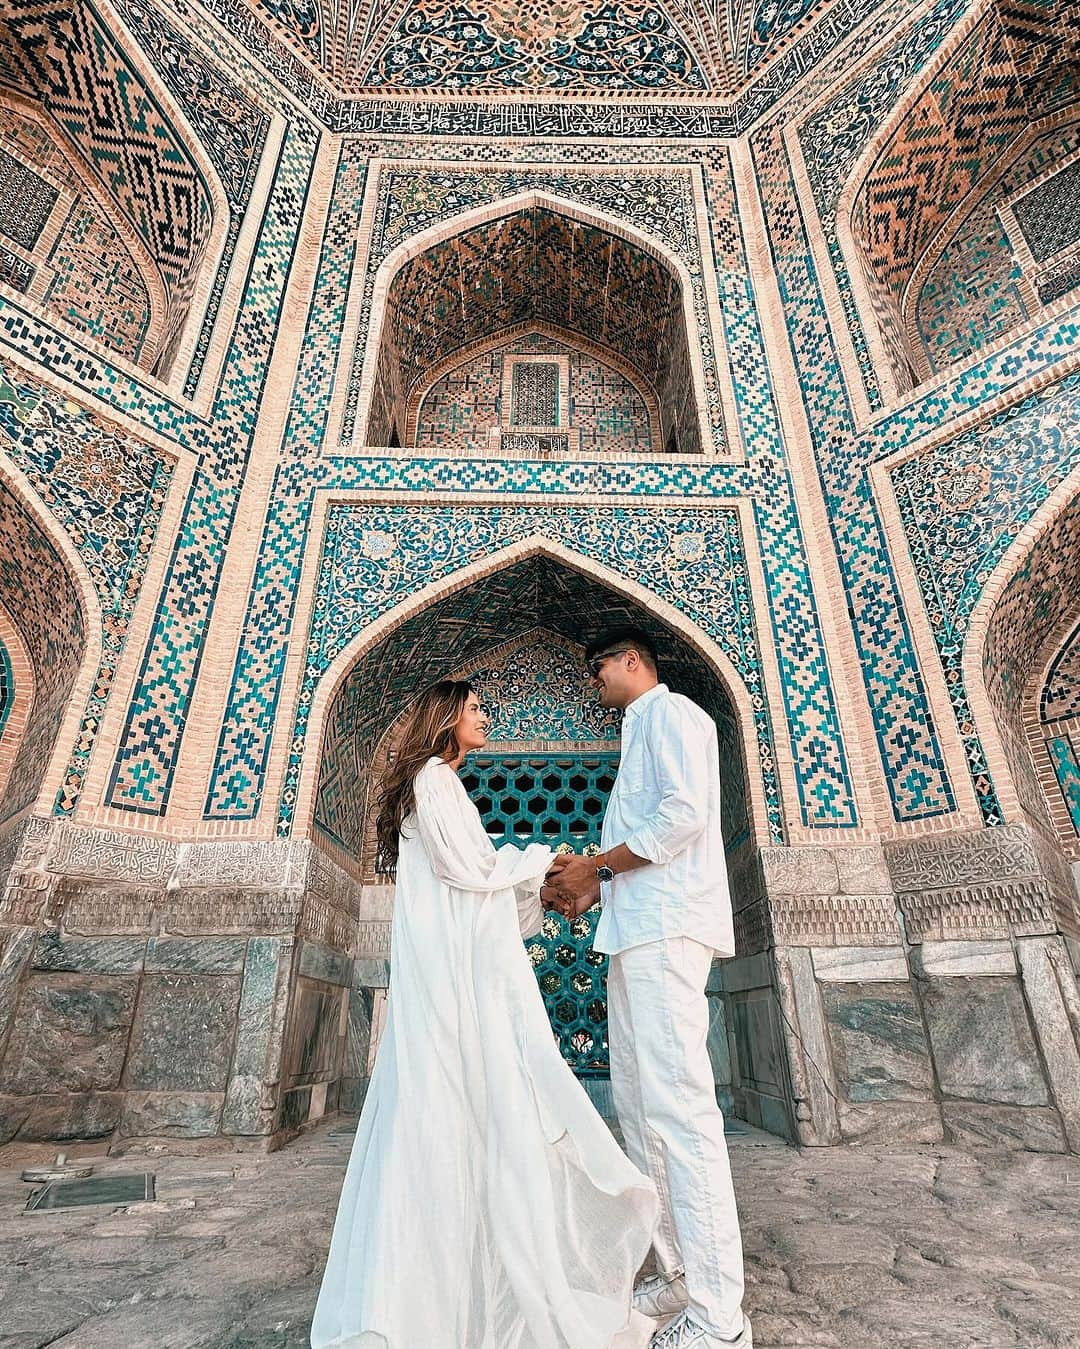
x: 553, y: 799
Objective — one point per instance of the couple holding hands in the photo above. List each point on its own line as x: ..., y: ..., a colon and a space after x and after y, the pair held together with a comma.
x: 486, y: 1204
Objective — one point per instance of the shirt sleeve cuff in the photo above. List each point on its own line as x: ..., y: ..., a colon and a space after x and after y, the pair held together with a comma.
x: 644, y: 843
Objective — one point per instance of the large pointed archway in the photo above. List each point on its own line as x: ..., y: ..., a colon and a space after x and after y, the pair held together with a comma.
x: 518, y: 629
x: 538, y: 276
x: 454, y: 633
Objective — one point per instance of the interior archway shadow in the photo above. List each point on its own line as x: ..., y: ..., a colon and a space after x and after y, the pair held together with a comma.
x: 455, y: 633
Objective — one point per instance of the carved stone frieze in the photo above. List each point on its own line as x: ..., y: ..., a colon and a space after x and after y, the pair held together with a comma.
x: 979, y: 912
x: 981, y: 884
x: 964, y: 857
x: 833, y: 920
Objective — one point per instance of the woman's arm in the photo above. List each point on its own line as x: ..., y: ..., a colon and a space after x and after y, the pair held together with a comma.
x: 460, y: 852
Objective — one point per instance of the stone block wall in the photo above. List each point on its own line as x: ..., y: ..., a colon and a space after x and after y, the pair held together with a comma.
x: 167, y: 991
x: 962, y: 1026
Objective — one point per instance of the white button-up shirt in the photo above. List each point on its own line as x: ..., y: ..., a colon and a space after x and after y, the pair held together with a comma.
x: 665, y: 805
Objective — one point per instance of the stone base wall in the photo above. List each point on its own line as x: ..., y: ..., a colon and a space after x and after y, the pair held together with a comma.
x: 961, y: 1024
x: 153, y: 989
x: 156, y: 989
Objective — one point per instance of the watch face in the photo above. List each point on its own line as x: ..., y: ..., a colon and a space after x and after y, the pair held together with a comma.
x: 604, y: 874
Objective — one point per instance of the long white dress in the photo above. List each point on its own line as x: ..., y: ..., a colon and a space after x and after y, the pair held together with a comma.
x: 486, y: 1204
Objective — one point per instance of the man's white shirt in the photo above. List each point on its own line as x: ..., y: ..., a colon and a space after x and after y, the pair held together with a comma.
x: 665, y: 806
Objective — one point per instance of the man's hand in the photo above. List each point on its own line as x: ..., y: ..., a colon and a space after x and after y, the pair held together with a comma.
x: 576, y: 876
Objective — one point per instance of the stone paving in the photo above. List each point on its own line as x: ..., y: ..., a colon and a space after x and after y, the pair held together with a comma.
x: 851, y: 1247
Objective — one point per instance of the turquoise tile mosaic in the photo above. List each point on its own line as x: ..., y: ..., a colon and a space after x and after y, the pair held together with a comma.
x: 962, y: 504
x: 143, y: 771
x: 826, y: 795
x: 106, y: 490
x: 908, y: 741
x: 374, y: 557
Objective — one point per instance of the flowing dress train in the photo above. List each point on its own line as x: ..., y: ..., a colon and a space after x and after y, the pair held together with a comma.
x: 486, y: 1204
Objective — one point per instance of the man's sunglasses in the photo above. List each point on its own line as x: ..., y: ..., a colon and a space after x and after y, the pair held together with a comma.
x: 594, y: 663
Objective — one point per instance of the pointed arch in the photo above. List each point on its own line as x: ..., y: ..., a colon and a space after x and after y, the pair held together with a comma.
x: 537, y: 546
x: 686, y: 340
x: 1015, y: 628
x: 50, y: 597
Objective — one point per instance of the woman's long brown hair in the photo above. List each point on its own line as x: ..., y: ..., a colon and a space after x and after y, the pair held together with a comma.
x: 428, y: 731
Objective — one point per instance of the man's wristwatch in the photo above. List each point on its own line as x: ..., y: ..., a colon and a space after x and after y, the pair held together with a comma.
x: 603, y: 871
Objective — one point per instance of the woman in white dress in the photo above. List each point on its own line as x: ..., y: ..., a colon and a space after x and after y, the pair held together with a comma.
x: 486, y: 1204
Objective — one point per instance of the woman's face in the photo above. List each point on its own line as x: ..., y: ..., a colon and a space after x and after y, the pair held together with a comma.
x: 472, y: 727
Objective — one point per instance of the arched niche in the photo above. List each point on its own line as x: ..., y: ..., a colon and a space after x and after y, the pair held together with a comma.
x: 131, y: 169
x: 458, y: 634
x: 43, y: 602
x: 538, y: 266
x: 942, y: 274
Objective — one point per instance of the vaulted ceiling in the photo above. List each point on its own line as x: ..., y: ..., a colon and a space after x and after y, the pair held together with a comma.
x: 538, y: 266
x: 587, y: 46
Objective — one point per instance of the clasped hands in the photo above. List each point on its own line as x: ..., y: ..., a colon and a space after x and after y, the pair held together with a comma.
x: 570, y: 886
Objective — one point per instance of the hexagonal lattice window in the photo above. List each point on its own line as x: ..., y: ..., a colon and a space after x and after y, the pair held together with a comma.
x: 553, y: 799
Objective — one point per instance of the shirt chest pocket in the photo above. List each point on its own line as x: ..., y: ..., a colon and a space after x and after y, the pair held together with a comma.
x: 635, y: 780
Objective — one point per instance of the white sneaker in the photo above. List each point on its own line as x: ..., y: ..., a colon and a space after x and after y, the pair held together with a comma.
x: 686, y: 1333
x: 660, y: 1296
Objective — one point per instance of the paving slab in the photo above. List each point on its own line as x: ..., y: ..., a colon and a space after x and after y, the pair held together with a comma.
x: 875, y: 1247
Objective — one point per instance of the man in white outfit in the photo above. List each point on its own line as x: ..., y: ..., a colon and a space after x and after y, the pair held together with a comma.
x: 662, y: 879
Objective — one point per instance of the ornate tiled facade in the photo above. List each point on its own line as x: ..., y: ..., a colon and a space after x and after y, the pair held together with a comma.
x: 791, y: 290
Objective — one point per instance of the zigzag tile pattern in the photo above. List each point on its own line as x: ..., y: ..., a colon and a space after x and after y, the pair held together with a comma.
x: 90, y: 88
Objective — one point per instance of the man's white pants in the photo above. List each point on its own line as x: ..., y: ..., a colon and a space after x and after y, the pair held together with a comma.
x: 662, y: 1082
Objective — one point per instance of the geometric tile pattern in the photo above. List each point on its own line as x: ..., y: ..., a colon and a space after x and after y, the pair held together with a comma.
x: 26, y: 200
x: 97, y: 285
x: 658, y: 204
x: 145, y: 763
x: 901, y: 710
x: 555, y: 799
x: 606, y: 410
x: 1049, y: 214
x: 15, y: 271
x: 92, y: 277
x: 959, y: 127
x: 823, y: 781
x: 375, y: 556
x: 231, y: 128
x: 972, y: 293
x: 249, y: 717
x: 911, y: 753
x: 106, y: 490
x: 837, y: 132
x: 94, y: 92
x: 1060, y: 699
x: 126, y: 139
x: 536, y: 266
x: 1059, y: 714
x: 962, y: 505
